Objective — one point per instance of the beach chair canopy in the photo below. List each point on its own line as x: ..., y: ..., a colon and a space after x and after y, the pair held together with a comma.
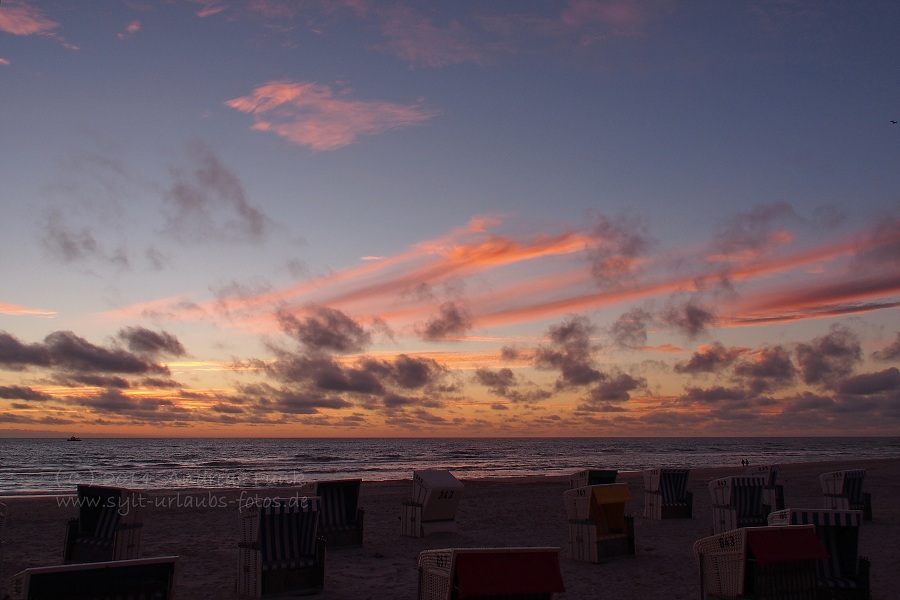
x: 151, y: 578
x: 509, y: 573
x: 768, y: 472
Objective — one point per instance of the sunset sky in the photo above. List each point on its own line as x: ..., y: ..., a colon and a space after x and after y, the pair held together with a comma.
x: 511, y: 218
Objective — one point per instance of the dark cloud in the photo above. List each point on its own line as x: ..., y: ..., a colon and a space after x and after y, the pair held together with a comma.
x: 66, y: 351
x: 715, y: 395
x: 616, y: 389
x: 615, y: 247
x: 510, y: 353
x: 326, y: 374
x: 829, y: 358
x: 710, y: 359
x: 409, y: 372
x: 93, y: 380
x: 571, y: 353
x: 630, y: 329
x: 21, y: 392
x: 65, y: 243
x: 498, y: 382
x: 70, y: 352
x: 326, y: 329
x: 16, y: 355
x: 690, y: 318
x: 881, y: 246
x: 753, y: 231
x: 145, y: 341
x: 891, y: 352
x: 207, y: 202
x: 452, y: 321
x: 766, y: 370
x: 871, y: 383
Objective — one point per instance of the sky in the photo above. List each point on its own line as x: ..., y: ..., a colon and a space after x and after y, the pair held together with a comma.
x: 348, y: 218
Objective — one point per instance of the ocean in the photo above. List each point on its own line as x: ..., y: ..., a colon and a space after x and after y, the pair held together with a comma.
x: 55, y: 466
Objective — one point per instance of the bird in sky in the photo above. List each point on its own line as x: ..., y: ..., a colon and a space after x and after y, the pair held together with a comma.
x: 893, y: 122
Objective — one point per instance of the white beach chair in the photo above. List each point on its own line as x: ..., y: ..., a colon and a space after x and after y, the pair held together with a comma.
x: 151, y: 578
x: 435, y: 495
x: 760, y: 562
x: 598, y: 527
x: 737, y: 502
x: 507, y: 573
x: 844, y: 574
x: 843, y: 490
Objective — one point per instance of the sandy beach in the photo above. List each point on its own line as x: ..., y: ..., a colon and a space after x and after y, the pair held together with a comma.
x: 201, y: 527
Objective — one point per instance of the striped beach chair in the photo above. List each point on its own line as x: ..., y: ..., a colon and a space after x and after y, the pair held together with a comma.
x: 108, y: 526
x: 666, y: 495
x: 341, y: 521
x: 773, y: 492
x: 489, y: 573
x: 760, y: 562
x: 280, y: 552
x: 843, y: 574
x: 843, y: 490
x: 738, y: 502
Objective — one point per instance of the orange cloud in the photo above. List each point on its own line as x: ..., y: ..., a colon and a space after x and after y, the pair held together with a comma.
x: 314, y: 115
x: 13, y: 309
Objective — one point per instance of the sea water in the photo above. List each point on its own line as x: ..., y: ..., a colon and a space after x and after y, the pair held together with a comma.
x: 55, y: 466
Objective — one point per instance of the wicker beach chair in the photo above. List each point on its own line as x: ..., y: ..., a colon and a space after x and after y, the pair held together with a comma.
x: 134, y: 579
x: 432, y: 509
x: 844, y: 575
x: 341, y: 521
x: 760, y: 562
x: 108, y: 526
x: 843, y: 490
x: 666, y: 495
x: 773, y: 492
x: 737, y: 502
x: 598, y: 527
x: 588, y: 477
x: 280, y: 552
x: 489, y: 573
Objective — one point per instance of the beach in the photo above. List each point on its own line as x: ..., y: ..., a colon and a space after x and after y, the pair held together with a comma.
x: 201, y: 527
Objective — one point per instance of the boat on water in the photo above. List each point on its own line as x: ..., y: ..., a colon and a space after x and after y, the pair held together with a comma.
x: 73, y: 438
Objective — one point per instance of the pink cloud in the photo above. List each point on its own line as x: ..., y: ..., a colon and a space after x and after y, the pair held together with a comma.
x: 4, y: 62
x: 314, y: 115
x: 414, y: 38
x: 21, y: 19
x: 130, y: 30
x: 209, y: 7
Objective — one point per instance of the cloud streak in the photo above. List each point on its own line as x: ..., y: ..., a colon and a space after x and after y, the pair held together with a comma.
x: 321, y: 118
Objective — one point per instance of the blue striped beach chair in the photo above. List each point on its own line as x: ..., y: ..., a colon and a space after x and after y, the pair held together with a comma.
x: 738, y: 502
x: 108, y: 525
x: 843, y: 490
x: 588, y: 477
x: 341, y: 522
x: 666, y: 495
x: 280, y: 552
x: 844, y: 574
